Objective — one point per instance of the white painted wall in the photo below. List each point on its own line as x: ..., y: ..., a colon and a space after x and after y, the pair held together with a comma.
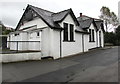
x: 70, y: 48
x: 55, y: 44
x: 45, y: 42
x: 86, y: 42
x: 37, y: 21
x: 30, y: 36
x: 102, y: 38
x: 91, y: 45
x: 69, y: 20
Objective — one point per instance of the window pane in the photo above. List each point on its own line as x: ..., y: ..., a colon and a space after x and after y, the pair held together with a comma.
x: 71, y: 32
x: 93, y: 37
x: 65, y: 32
x: 90, y: 35
x: 38, y: 34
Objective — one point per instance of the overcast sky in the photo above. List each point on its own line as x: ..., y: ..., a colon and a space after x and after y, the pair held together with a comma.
x: 11, y: 12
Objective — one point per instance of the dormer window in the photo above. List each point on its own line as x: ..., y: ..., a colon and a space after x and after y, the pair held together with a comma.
x: 68, y: 34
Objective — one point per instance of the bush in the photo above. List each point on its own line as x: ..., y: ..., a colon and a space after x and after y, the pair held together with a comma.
x: 113, y: 38
x: 110, y: 37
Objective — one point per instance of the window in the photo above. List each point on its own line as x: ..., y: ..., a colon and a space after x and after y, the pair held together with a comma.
x: 16, y: 34
x: 100, y: 33
x: 38, y: 34
x: 92, y: 35
x: 31, y: 35
x: 68, y: 32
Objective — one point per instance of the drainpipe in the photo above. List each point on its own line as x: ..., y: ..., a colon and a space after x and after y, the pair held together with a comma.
x: 83, y: 42
x: 96, y: 38
x: 60, y: 45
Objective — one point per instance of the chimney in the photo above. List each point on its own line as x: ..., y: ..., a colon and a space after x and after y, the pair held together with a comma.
x: 80, y: 14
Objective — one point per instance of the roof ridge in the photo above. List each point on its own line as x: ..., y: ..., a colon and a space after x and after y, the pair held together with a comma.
x: 41, y: 9
x: 86, y: 19
x: 89, y: 17
x: 61, y: 11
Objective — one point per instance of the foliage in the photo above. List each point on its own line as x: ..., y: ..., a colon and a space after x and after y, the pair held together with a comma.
x: 110, y: 38
x: 113, y: 38
x: 108, y: 17
x: 118, y: 35
x: 114, y: 19
x: 3, y: 30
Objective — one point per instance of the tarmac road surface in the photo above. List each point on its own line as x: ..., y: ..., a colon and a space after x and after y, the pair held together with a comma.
x: 99, y: 65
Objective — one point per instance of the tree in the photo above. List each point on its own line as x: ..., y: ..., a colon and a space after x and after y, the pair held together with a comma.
x: 108, y: 17
x: 3, y: 30
x: 114, y: 20
x: 105, y: 15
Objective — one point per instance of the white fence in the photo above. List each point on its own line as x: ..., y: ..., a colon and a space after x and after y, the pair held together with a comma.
x: 24, y: 45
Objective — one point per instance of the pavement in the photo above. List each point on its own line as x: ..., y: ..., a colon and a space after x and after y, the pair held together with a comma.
x: 99, y: 65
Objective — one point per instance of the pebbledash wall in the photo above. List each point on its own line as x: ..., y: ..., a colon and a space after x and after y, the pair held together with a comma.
x: 51, y: 40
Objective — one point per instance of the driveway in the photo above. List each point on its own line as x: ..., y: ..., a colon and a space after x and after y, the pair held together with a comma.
x: 99, y: 65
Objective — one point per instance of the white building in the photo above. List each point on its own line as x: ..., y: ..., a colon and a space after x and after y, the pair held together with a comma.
x: 56, y: 34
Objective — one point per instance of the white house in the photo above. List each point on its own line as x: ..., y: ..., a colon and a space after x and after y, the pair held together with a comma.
x: 56, y: 34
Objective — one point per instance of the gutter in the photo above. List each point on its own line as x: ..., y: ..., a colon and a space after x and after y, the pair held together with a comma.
x: 82, y: 32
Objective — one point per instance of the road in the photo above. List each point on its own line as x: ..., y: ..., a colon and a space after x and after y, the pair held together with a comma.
x: 99, y: 65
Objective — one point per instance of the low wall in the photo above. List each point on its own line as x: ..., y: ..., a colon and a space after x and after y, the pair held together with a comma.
x: 20, y: 57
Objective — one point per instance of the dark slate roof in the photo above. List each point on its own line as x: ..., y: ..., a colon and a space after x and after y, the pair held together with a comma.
x: 46, y: 16
x: 80, y: 30
x: 85, y: 23
x: 51, y: 18
x: 99, y: 25
x: 84, y: 17
x: 60, y: 15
